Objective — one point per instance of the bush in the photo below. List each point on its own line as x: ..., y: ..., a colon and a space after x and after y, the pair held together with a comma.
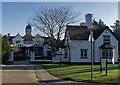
x: 20, y: 55
x: 5, y: 50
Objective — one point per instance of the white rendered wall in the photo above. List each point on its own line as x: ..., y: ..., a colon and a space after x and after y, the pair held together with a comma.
x: 61, y: 56
x: 99, y: 42
x: 75, y: 52
x: 45, y: 51
x: 58, y: 57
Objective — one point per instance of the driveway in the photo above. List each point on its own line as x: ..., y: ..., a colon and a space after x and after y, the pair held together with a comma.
x: 19, y: 72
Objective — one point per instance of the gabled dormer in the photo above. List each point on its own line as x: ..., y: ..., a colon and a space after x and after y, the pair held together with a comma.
x: 17, y: 39
x: 38, y: 39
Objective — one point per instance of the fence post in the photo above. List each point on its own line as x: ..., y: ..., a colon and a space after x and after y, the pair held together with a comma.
x: 100, y: 66
x: 106, y: 67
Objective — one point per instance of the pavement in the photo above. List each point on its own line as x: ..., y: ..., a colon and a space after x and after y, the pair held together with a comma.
x: 44, y: 77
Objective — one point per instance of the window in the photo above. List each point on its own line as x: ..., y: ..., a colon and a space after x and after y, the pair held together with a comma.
x: 38, y: 52
x: 83, y: 53
x: 107, y: 53
x: 106, y: 38
x: 18, y: 41
x: 66, y: 53
x: 110, y: 52
x: 60, y: 51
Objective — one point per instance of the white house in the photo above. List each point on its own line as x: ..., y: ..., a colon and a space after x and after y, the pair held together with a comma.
x: 34, y: 47
x: 78, y: 44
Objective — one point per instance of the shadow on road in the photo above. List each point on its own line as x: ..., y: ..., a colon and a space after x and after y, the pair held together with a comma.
x: 50, y: 81
x: 19, y: 65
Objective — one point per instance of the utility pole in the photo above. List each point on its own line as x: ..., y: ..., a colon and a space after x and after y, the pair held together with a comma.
x: 91, y: 54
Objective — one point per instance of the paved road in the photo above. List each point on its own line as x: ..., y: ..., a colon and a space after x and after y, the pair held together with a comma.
x: 19, y: 72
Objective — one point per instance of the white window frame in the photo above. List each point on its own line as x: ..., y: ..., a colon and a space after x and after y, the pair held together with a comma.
x: 66, y: 53
x: 106, y: 38
x: 84, y: 54
x: 107, y: 54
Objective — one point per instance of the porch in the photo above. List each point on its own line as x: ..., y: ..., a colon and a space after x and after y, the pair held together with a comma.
x: 34, y: 57
x: 34, y: 53
x: 107, y: 51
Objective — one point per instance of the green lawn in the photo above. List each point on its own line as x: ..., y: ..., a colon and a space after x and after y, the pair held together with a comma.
x: 83, y: 72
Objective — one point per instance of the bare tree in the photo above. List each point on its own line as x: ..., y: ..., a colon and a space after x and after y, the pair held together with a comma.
x: 52, y: 21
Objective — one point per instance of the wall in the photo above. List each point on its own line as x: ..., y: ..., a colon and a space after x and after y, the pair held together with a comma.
x: 45, y: 51
x: 99, y: 42
x: 75, y: 52
x: 60, y: 56
x: 57, y: 58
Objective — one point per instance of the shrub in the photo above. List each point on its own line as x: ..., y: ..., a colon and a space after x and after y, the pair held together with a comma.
x: 5, y: 50
x: 20, y: 55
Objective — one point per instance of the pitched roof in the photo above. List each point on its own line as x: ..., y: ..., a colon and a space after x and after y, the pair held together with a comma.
x: 10, y: 38
x: 28, y: 38
x: 78, y: 32
x: 97, y: 32
x: 82, y: 32
x: 106, y: 46
x: 45, y: 38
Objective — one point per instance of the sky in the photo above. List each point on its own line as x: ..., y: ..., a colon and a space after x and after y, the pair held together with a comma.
x: 15, y: 15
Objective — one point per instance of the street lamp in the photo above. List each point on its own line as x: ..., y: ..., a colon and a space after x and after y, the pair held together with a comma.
x: 91, y: 33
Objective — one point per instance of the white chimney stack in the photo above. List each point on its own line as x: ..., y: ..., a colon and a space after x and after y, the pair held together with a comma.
x: 88, y: 20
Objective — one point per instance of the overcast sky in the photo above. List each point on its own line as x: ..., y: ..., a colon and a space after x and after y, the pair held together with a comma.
x: 15, y: 15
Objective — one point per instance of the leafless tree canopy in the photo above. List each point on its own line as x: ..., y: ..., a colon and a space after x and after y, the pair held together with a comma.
x: 52, y: 21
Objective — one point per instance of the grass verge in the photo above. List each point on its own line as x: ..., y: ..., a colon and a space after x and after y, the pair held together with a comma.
x: 83, y: 72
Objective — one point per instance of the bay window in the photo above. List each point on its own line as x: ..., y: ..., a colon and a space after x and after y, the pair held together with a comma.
x: 107, y: 53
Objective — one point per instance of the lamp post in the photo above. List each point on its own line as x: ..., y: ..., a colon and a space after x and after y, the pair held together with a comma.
x: 91, y: 54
